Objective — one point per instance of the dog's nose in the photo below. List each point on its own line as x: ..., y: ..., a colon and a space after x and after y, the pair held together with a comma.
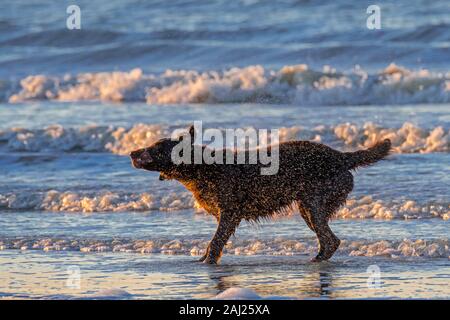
x: 135, y: 154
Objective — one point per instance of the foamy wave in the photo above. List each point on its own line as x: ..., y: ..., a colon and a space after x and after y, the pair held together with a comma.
x: 55, y: 201
x: 409, y: 138
x: 291, y: 84
x: 89, y: 138
x: 366, y: 208
x: 436, y: 248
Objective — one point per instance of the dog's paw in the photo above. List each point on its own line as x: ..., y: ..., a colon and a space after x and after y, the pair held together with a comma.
x: 209, y: 260
x: 318, y: 258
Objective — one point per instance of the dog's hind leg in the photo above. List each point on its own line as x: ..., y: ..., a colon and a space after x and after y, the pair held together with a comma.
x: 316, y: 218
x: 320, y: 205
x: 307, y: 217
x: 328, y: 242
x: 227, y: 226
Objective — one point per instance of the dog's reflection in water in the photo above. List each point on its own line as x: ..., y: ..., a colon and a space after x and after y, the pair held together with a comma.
x: 270, y: 279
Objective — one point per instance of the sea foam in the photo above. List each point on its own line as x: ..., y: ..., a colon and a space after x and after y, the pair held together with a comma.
x: 408, y: 138
x: 425, y: 248
x: 236, y: 293
x: 69, y: 201
x: 293, y: 84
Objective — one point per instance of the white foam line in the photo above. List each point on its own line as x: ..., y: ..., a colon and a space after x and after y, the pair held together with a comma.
x: 434, y: 248
x: 55, y: 201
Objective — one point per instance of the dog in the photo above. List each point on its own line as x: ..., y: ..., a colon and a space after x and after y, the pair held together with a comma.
x: 312, y: 176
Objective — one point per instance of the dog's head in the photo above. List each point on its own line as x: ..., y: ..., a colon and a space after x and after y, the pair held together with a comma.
x: 158, y: 157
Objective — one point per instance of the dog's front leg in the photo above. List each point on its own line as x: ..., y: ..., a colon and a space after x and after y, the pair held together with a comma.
x: 227, y: 226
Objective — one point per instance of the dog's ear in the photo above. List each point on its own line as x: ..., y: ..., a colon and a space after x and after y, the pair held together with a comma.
x: 191, y: 133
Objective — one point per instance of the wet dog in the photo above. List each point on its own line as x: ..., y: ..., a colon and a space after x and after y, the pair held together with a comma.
x: 312, y: 176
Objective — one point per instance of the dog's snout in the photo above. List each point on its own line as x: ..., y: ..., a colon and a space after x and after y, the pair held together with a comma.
x: 146, y: 157
x: 140, y: 158
x: 136, y: 153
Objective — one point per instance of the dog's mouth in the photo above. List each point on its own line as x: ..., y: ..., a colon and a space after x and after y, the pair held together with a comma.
x: 137, y: 163
x: 141, y: 159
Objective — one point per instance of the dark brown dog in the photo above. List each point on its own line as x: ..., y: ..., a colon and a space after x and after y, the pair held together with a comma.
x: 311, y: 175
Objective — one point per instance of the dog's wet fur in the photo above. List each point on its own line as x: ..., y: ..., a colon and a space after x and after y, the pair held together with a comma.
x: 312, y: 176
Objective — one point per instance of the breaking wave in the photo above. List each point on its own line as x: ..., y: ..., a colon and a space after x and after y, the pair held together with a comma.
x: 68, y: 201
x: 408, y: 138
x: 89, y: 138
x: 293, y: 84
x: 436, y: 248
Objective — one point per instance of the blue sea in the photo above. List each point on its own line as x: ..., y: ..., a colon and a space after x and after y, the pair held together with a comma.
x: 78, y: 222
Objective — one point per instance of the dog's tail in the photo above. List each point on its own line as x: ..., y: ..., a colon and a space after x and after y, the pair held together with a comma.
x: 369, y: 156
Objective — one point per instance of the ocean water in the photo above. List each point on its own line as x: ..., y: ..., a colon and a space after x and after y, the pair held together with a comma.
x: 74, y: 103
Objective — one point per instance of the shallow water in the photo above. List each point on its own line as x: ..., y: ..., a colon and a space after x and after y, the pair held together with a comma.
x: 44, y: 275
x: 170, y: 271
x: 142, y: 236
